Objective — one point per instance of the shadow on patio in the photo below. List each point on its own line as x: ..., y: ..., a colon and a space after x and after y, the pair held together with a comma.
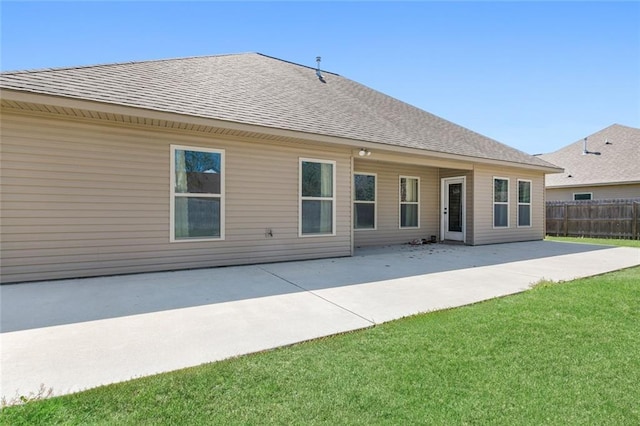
x: 44, y: 304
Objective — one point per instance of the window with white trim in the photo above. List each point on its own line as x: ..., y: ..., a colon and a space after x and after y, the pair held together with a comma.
x: 317, y: 197
x: 409, y: 202
x: 524, y: 203
x: 364, y: 201
x: 500, y: 202
x: 577, y: 196
x: 197, y: 194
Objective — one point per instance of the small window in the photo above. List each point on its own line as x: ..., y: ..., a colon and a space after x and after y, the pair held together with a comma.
x: 582, y: 196
x: 317, y: 197
x: 500, y: 202
x: 197, y: 194
x: 364, y: 201
x: 409, y: 202
x: 524, y: 203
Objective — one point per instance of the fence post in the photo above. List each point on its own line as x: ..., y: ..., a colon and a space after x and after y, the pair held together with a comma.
x: 566, y: 220
x: 634, y: 223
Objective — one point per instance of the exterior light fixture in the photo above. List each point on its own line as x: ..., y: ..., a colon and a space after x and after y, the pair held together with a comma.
x: 364, y: 152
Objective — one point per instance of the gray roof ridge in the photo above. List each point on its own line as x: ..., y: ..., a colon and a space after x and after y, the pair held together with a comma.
x: 621, y: 125
x: 110, y: 64
x: 611, y: 126
x: 296, y: 64
x: 581, y: 140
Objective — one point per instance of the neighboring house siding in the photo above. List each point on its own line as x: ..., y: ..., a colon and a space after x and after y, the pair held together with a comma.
x: 483, y: 206
x: 86, y: 199
x: 603, y: 192
x: 388, y: 230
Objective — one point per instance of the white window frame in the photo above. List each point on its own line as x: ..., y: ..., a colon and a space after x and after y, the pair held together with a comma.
x: 582, y: 193
x: 172, y: 183
x: 332, y: 199
x: 493, y: 199
x: 525, y: 204
x: 374, y: 202
x: 400, y: 202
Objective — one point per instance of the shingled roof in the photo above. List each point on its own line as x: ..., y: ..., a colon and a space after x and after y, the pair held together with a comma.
x: 613, y: 157
x: 256, y: 89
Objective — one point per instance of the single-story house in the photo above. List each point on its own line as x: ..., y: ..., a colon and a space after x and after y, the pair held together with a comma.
x: 238, y: 159
x: 602, y: 166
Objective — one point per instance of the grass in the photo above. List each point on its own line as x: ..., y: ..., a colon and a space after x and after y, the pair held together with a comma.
x: 557, y: 354
x: 601, y: 241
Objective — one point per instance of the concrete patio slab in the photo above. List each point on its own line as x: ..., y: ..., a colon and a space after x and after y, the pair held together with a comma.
x: 381, y: 301
x: 75, y: 334
x: 72, y: 357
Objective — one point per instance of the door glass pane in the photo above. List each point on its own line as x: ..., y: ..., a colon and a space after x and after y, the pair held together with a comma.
x: 364, y: 217
x: 455, y: 207
x: 317, y: 216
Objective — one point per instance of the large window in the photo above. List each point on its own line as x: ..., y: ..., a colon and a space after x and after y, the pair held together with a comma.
x: 317, y: 197
x: 364, y: 201
x: 197, y: 194
x: 524, y: 203
x: 500, y: 202
x: 409, y: 202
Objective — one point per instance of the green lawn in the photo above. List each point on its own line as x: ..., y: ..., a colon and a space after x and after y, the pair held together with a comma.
x: 603, y: 241
x: 558, y: 354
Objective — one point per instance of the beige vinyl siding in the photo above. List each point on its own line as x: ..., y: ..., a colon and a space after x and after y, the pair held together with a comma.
x: 485, y: 233
x: 387, y: 203
x: 86, y: 199
x: 604, y: 192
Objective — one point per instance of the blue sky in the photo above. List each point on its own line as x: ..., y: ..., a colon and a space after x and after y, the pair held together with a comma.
x: 534, y: 75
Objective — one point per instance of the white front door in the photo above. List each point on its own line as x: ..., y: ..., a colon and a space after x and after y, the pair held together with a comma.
x: 453, y: 208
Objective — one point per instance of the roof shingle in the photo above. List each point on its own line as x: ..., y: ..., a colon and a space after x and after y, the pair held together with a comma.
x: 260, y: 90
x: 617, y: 162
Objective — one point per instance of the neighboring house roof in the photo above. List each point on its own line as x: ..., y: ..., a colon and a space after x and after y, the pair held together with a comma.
x: 260, y: 90
x: 613, y: 158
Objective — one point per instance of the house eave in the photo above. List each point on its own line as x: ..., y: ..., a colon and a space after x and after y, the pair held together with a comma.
x: 590, y: 184
x: 70, y: 103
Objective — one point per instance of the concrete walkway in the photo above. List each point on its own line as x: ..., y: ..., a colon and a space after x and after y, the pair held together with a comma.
x: 76, y: 334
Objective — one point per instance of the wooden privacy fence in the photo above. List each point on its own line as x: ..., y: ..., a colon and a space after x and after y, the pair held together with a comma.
x: 594, y: 218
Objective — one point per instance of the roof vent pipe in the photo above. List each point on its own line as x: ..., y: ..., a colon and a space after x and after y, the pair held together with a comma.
x: 585, y: 151
x: 318, y: 72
